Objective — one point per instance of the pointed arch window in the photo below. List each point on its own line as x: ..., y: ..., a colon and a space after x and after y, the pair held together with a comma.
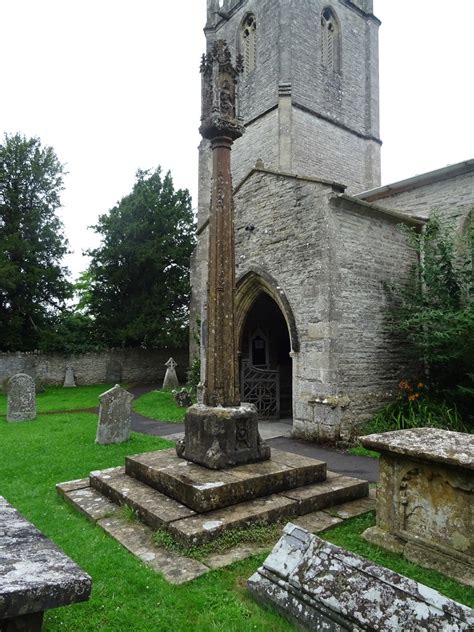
x: 248, y: 37
x: 330, y: 41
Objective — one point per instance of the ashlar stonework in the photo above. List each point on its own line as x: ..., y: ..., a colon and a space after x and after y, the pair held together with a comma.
x: 21, y: 398
x: 115, y: 416
x: 425, y: 498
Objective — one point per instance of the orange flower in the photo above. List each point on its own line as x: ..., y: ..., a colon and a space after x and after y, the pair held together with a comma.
x: 420, y: 385
x: 404, y: 385
x: 412, y: 397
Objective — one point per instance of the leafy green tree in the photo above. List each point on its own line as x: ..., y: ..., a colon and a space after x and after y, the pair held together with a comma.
x: 435, y: 312
x: 33, y: 284
x: 138, y: 289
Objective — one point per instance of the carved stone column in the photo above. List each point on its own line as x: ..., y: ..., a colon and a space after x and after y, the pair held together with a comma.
x: 221, y: 432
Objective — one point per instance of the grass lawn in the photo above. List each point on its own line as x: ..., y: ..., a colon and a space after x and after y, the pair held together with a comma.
x: 159, y: 405
x: 126, y: 594
x: 57, y: 398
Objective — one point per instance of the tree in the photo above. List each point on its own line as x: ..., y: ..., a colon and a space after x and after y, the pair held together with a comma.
x: 138, y: 290
x: 435, y: 312
x: 33, y: 284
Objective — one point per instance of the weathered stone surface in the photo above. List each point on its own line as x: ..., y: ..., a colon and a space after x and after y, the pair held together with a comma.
x: 91, y: 503
x: 115, y: 416
x: 328, y: 493
x: 138, y: 539
x: 218, y: 437
x: 323, y: 587
x: 153, y: 508
x: 236, y: 554
x: 203, y: 489
x: 205, y: 527
x: 21, y: 398
x: 425, y: 500
x: 426, y: 444
x: 354, y: 507
x: 34, y: 574
x: 316, y: 521
x: 171, y: 379
x: 69, y: 381
x: 69, y: 486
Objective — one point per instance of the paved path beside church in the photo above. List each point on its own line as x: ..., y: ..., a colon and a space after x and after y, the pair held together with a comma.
x: 277, y: 435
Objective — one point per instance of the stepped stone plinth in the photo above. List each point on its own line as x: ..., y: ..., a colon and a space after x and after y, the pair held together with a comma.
x: 196, y: 504
x: 204, y: 490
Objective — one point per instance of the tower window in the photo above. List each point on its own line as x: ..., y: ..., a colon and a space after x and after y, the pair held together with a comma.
x: 249, y: 43
x: 330, y: 41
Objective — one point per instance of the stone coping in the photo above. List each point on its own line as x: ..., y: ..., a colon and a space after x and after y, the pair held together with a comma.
x: 426, y: 444
x: 34, y: 574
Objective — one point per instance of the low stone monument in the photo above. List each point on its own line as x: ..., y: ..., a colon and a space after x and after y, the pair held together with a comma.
x: 115, y: 416
x: 183, y: 398
x: 425, y: 498
x: 69, y: 381
x: 321, y: 586
x: 171, y: 379
x: 21, y: 398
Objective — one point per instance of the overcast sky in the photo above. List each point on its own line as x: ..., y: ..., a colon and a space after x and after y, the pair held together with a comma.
x: 114, y: 85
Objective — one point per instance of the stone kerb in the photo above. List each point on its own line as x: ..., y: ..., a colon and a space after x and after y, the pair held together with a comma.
x: 321, y: 586
x: 425, y: 498
x: 21, y: 398
x: 115, y: 416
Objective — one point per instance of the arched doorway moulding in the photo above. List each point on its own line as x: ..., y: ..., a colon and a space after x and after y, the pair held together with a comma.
x: 249, y: 286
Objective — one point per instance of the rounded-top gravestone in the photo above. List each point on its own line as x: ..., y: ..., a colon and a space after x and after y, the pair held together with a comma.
x: 21, y: 398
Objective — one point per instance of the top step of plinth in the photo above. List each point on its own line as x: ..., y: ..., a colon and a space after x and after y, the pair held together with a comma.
x: 204, y: 490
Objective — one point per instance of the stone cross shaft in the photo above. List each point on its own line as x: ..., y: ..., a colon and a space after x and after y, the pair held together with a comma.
x: 220, y: 125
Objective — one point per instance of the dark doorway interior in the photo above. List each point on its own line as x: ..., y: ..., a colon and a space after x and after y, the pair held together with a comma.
x: 265, y: 345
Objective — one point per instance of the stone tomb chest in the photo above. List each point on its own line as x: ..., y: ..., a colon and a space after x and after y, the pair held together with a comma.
x: 425, y: 498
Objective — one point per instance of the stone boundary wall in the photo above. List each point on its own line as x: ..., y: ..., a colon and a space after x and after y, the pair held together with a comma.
x: 141, y: 366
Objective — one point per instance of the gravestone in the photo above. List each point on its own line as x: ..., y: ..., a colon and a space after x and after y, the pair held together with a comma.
x: 171, y: 379
x: 115, y: 416
x: 321, y: 586
x: 69, y: 381
x: 21, y: 398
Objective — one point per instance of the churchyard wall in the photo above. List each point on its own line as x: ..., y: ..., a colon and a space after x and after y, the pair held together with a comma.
x: 117, y: 365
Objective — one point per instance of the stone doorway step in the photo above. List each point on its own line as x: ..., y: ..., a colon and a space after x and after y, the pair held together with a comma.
x: 195, y: 504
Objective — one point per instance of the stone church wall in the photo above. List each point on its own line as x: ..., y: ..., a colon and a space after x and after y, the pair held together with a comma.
x: 139, y: 366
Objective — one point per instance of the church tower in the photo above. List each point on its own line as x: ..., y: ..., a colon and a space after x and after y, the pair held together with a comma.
x: 308, y: 100
x: 309, y: 95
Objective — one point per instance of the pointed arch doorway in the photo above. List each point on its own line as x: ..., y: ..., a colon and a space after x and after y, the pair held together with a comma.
x: 266, y: 337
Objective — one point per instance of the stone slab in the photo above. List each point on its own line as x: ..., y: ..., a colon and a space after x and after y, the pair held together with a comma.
x: 34, y: 574
x: 323, y: 587
x: 138, y: 540
x: 91, y: 503
x: 354, y: 507
x: 426, y: 444
x: 154, y: 508
x: 69, y: 486
x: 331, y: 492
x: 316, y: 521
x: 204, y: 489
x: 236, y: 554
x: 203, y: 528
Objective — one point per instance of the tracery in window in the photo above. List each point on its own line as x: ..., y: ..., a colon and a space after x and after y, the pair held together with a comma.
x: 330, y: 41
x: 249, y: 43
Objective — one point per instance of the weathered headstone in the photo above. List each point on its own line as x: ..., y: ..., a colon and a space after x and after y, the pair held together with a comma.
x: 183, y: 399
x: 69, y: 381
x: 171, y: 379
x: 21, y: 398
x: 321, y: 586
x: 115, y: 416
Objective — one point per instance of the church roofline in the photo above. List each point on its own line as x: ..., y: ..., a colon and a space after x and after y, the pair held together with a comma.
x: 451, y: 171
x: 374, y: 209
x: 336, y: 186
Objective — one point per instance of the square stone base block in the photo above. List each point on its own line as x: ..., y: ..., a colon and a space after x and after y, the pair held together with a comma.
x: 219, y: 438
x: 204, y: 490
